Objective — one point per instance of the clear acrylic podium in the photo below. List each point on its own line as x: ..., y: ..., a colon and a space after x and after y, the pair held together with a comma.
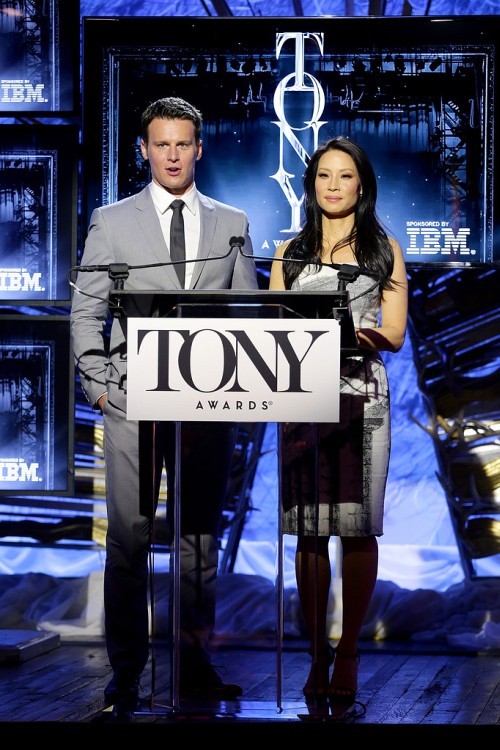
x: 149, y: 307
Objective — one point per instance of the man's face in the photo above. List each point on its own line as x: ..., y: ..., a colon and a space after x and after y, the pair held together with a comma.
x: 172, y: 152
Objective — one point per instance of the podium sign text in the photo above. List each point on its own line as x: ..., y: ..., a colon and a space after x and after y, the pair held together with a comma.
x: 233, y: 369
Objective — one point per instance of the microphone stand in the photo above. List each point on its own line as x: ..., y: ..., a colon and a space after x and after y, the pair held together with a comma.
x: 346, y: 274
x: 118, y: 273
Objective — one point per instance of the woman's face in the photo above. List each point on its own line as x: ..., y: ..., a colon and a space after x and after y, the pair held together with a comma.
x: 337, y: 183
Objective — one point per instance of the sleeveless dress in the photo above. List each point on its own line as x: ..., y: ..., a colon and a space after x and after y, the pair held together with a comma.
x: 350, y: 467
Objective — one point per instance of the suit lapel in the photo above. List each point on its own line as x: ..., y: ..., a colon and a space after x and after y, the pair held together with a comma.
x: 208, y: 222
x: 150, y: 227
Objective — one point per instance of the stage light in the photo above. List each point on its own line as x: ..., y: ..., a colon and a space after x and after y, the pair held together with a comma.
x: 435, y: 64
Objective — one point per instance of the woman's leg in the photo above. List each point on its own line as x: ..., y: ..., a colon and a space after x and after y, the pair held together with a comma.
x: 359, y: 575
x: 313, y: 574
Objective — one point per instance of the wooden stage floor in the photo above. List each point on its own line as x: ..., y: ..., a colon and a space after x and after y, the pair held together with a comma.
x: 407, y: 688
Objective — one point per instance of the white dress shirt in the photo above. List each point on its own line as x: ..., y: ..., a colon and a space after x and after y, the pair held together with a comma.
x: 191, y: 215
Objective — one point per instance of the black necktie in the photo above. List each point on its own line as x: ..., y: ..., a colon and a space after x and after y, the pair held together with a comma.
x: 177, y: 242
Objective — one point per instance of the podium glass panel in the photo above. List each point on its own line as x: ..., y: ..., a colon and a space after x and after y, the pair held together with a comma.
x: 151, y: 306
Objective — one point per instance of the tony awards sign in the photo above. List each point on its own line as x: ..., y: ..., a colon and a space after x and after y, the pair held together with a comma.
x: 235, y: 370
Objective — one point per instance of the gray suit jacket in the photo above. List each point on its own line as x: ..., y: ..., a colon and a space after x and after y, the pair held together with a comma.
x: 129, y: 231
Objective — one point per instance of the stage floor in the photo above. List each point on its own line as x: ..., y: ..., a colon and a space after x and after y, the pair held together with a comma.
x: 402, y: 685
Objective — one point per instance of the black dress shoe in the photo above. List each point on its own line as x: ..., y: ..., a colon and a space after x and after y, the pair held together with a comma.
x: 204, y: 683
x: 122, y: 692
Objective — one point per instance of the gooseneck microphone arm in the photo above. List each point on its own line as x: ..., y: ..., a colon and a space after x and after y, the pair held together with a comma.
x: 346, y: 271
x: 118, y: 272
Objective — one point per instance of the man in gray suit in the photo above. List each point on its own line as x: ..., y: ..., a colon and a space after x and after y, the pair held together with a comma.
x: 136, y: 231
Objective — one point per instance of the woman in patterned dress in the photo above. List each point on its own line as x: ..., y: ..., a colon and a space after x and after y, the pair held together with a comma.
x: 347, y: 461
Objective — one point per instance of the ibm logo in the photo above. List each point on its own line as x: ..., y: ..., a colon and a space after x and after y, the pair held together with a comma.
x: 21, y: 92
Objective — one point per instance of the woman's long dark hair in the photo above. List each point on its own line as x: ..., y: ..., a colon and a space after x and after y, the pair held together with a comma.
x: 370, y: 241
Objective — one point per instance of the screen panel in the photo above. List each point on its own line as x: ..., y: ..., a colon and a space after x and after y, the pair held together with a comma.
x: 38, y: 213
x: 36, y: 405
x: 39, y: 56
x: 417, y: 93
